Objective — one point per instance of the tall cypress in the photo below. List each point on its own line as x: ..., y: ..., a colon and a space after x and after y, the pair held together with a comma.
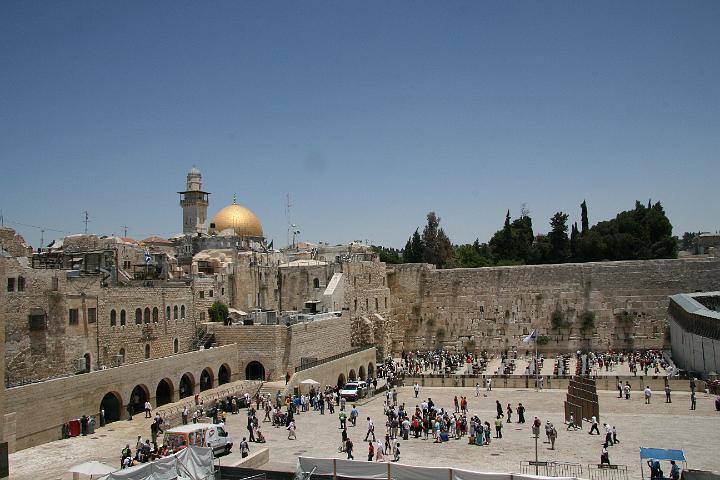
x: 584, y: 218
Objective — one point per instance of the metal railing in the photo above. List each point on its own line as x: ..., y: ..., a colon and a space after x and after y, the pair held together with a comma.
x: 552, y: 469
x: 330, y: 359
x: 607, y: 472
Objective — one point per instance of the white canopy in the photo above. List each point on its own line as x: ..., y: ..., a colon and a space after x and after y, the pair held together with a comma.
x: 235, y: 311
x: 309, y: 381
x: 92, y: 468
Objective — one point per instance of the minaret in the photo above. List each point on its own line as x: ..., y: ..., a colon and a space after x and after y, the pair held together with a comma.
x: 194, y: 202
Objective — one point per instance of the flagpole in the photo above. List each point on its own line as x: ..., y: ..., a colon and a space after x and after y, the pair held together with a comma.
x: 537, y: 364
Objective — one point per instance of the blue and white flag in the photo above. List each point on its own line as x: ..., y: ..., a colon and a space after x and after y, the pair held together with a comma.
x: 148, y: 258
x: 531, y: 338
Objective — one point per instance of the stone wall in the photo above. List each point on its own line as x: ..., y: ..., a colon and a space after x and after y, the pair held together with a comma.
x: 495, y: 307
x: 63, y: 399
x: 369, y: 302
x: 279, y: 348
x: 298, y: 284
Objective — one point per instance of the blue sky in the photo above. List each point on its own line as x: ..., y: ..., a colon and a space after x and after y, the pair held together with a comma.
x: 370, y: 114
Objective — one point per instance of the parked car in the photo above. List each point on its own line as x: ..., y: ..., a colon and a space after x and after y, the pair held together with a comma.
x: 353, y: 390
x: 199, y: 434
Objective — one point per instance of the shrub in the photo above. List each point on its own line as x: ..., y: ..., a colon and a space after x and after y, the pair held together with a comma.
x: 588, y: 320
x: 543, y: 340
x: 558, y: 319
x: 218, y: 312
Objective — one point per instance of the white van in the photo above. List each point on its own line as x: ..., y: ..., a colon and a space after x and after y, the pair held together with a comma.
x: 199, y: 434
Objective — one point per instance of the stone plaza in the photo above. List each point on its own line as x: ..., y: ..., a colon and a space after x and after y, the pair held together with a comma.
x: 660, y: 424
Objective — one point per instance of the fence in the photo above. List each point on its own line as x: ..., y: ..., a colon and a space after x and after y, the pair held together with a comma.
x: 315, y: 363
x: 607, y: 472
x: 551, y: 469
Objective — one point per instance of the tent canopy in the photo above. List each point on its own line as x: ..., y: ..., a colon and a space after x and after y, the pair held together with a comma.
x: 92, y: 468
x: 662, y: 454
x: 309, y: 381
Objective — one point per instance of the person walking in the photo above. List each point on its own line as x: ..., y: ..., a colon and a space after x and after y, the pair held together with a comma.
x: 349, y: 449
x: 648, y: 394
x: 477, y: 389
x: 594, y: 427
x: 667, y: 393
x: 608, y: 435
x: 509, y: 413
x: 604, y: 456
x: 552, y: 436
x: 342, y: 416
x: 396, y: 457
x: 353, y: 415
x: 499, y: 408
x: 244, y: 448
x: 379, y: 451
x: 489, y: 384
x: 626, y: 390
x: 370, y: 429
x: 521, y: 413
x: 416, y: 388
x: 371, y: 451
x: 148, y: 409
x: 614, y: 435
x: 185, y: 414
x: 693, y: 399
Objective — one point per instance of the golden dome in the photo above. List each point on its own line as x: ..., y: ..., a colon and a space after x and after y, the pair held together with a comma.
x: 240, y: 219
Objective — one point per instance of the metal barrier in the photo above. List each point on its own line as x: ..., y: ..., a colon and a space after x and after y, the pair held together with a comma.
x: 607, y: 472
x: 551, y: 469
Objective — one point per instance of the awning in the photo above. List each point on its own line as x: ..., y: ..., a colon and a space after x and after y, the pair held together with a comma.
x: 662, y: 454
x: 235, y: 311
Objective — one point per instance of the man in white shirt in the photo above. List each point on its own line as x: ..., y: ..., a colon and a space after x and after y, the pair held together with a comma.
x: 417, y: 389
x: 648, y: 394
x: 370, y: 429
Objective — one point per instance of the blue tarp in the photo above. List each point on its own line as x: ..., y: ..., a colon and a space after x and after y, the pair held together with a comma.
x: 662, y: 454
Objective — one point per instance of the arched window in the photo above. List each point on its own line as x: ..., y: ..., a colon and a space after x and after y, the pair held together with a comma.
x: 316, y: 283
x: 122, y: 355
x: 175, y: 345
x: 182, y: 312
x: 113, y: 317
x: 146, y: 316
x: 138, y: 316
x: 156, y: 314
x: 122, y: 318
x: 175, y: 312
x: 147, y: 350
x: 167, y: 313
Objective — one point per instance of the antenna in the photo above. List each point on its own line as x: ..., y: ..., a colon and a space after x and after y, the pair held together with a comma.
x: 42, y: 237
x: 288, y: 204
x: 87, y: 220
x: 125, y: 228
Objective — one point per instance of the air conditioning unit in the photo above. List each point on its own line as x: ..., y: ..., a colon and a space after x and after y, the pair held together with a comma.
x: 80, y: 364
x: 118, y: 360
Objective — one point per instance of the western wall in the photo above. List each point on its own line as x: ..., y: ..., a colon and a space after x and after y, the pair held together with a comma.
x: 493, y: 308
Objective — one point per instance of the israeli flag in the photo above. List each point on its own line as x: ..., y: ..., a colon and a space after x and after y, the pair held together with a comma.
x: 148, y: 257
x: 531, y: 338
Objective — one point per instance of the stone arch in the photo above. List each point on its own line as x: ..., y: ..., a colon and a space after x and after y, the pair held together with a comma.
x: 341, y: 380
x: 316, y: 282
x: 113, y: 317
x: 88, y: 362
x: 147, y: 351
x: 187, y: 385
x: 176, y: 346
x: 111, y: 404
x: 155, y: 315
x: 175, y: 312
x: 206, y: 379
x: 138, y: 316
x: 182, y: 312
x: 164, y: 393
x: 167, y: 313
x: 123, y: 318
x: 255, y: 371
x: 371, y: 370
x: 138, y: 397
x: 352, y: 376
x: 224, y: 374
x: 361, y: 373
x: 146, y: 315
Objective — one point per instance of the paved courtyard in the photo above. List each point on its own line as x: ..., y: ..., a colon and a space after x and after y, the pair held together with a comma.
x: 657, y: 425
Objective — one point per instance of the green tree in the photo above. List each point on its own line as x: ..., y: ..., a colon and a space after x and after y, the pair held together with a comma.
x: 387, y: 255
x: 502, y: 242
x: 584, y: 218
x: 413, y: 252
x: 445, y: 250
x: 218, y: 312
x: 559, y: 241
x: 430, y: 239
x: 574, y: 234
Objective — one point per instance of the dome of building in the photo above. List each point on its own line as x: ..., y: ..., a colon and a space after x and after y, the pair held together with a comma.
x: 240, y: 219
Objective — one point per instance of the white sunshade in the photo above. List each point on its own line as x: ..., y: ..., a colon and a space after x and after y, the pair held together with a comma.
x: 309, y: 381
x: 236, y: 312
x: 93, y: 468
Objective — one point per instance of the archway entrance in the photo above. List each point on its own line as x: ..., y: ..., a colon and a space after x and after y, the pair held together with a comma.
x: 112, y: 405
x: 187, y: 385
x: 138, y: 397
x: 164, y: 392
x: 206, y: 380
x: 87, y: 362
x: 223, y: 374
x: 371, y: 370
x: 361, y: 372
x: 351, y: 376
x: 255, y: 371
x: 341, y: 381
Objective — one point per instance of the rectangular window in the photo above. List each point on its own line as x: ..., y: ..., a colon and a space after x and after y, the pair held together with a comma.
x: 202, y: 293
x: 74, y: 316
x: 385, y: 302
x: 211, y: 293
x: 126, y: 265
x: 92, y: 315
x: 36, y: 323
x: 55, y: 284
x: 202, y: 316
x: 11, y: 285
x: 21, y: 284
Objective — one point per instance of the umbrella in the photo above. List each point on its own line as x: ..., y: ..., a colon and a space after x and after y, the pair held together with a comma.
x: 309, y: 381
x: 92, y: 468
